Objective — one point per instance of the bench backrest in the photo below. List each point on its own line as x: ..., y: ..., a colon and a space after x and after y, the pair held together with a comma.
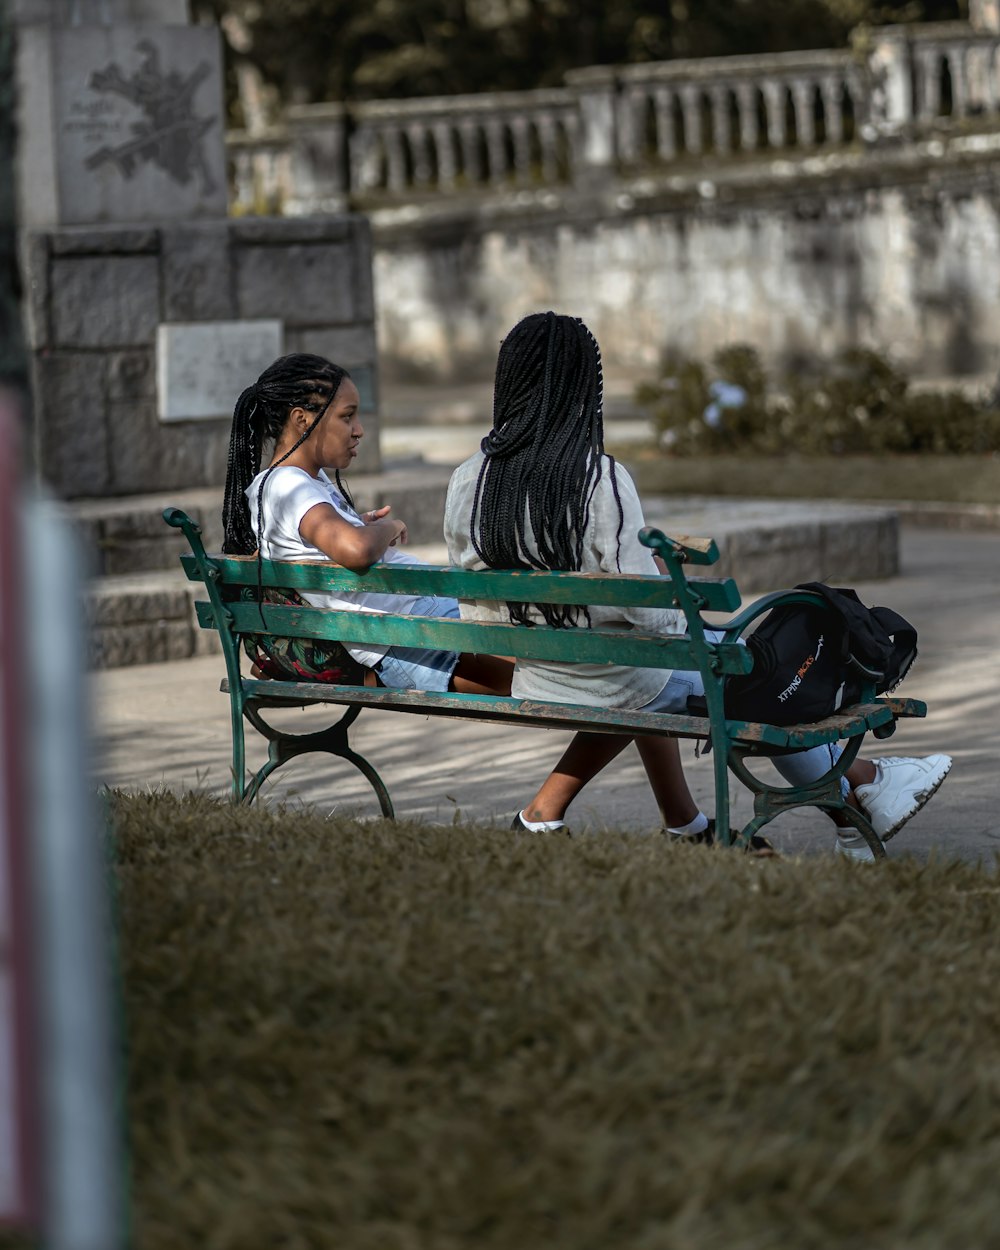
x: 223, y: 575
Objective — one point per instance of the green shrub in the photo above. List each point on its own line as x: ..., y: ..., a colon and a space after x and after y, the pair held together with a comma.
x: 678, y: 400
x: 684, y: 395
x: 947, y: 421
x: 857, y: 403
x: 854, y: 405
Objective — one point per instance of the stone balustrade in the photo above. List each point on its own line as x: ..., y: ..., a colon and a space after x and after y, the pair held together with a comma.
x: 725, y: 105
x: 295, y: 169
x: 495, y: 139
x: 897, y: 80
x: 938, y: 70
x: 955, y: 71
x: 259, y: 172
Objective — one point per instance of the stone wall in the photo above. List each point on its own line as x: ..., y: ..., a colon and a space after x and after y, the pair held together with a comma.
x: 899, y: 252
x: 97, y: 296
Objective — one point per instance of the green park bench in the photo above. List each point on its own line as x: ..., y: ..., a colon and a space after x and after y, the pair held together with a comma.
x: 233, y: 612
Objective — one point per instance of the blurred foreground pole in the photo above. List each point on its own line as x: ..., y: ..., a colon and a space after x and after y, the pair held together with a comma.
x: 83, y: 1191
x: 18, y: 1102
x: 18, y: 1106
x: 62, y: 1110
x: 61, y: 1157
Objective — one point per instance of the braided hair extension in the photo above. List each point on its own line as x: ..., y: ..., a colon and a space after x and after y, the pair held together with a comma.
x: 261, y: 412
x: 543, y: 456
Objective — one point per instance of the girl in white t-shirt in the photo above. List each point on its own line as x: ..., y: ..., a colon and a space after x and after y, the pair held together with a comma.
x: 309, y: 408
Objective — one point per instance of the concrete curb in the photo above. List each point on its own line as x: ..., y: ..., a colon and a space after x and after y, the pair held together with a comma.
x: 958, y: 516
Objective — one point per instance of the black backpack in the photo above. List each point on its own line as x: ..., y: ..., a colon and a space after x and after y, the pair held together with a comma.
x: 806, y: 657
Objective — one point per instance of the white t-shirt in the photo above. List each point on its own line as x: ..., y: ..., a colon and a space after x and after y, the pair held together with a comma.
x: 604, y: 551
x: 288, y: 495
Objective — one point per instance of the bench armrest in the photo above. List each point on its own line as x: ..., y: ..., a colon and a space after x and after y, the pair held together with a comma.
x: 178, y: 519
x: 737, y: 625
x: 685, y: 550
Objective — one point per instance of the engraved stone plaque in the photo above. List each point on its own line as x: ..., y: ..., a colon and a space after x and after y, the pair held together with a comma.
x: 202, y: 366
x: 127, y: 124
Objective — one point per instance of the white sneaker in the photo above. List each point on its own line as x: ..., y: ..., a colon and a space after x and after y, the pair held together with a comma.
x: 900, y: 789
x: 855, y: 848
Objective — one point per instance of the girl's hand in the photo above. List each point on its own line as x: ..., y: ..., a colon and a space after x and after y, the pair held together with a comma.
x: 379, y: 514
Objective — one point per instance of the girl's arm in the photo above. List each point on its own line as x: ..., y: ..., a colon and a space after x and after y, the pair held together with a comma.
x: 356, y: 547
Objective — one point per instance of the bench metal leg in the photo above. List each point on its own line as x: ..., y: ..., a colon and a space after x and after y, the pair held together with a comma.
x: 239, y: 752
x: 721, y: 769
x: 770, y: 801
x: 283, y: 747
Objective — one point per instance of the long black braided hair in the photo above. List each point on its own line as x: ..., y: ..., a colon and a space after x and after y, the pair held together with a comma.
x: 296, y: 381
x: 543, y: 456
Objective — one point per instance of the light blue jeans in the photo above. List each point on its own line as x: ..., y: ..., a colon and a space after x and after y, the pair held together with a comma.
x: 412, y: 668
x: 800, y: 769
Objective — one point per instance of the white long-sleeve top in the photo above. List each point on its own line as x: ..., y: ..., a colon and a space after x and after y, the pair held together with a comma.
x: 594, y: 685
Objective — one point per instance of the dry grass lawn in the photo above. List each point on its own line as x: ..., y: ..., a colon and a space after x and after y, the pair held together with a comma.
x: 377, y: 1037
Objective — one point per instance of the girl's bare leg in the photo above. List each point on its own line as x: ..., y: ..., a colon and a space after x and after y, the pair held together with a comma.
x: 482, y: 674
x: 588, y: 753
x: 582, y: 760
x: 661, y: 758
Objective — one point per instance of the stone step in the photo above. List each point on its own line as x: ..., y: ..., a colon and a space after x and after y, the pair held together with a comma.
x: 772, y: 544
x: 146, y: 617
x: 128, y: 535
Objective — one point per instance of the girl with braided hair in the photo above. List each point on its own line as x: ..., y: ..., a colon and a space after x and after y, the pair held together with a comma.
x: 308, y: 408
x: 541, y: 493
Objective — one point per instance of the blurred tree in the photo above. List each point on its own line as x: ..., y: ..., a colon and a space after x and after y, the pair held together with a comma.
x: 350, y: 49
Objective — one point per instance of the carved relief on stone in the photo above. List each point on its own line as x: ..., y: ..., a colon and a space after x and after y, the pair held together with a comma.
x: 170, y: 134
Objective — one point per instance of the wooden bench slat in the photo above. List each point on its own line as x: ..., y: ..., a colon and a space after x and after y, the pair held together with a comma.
x: 565, y: 716
x: 622, y: 590
x: 589, y: 646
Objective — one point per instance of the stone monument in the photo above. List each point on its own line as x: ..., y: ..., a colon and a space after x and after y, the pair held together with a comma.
x: 147, y: 308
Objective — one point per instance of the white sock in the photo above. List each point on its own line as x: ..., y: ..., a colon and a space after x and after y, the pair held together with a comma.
x: 691, y: 829
x: 539, y: 826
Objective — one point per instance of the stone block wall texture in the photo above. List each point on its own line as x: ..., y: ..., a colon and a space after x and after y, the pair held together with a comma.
x: 95, y: 296
x: 905, y: 264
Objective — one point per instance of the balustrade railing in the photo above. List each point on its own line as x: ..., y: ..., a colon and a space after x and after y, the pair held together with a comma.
x: 738, y: 104
x: 260, y: 178
x: 494, y: 140
x: 902, y: 80
x: 955, y: 72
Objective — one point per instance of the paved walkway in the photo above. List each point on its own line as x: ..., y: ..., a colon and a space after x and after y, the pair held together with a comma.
x: 168, y: 725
